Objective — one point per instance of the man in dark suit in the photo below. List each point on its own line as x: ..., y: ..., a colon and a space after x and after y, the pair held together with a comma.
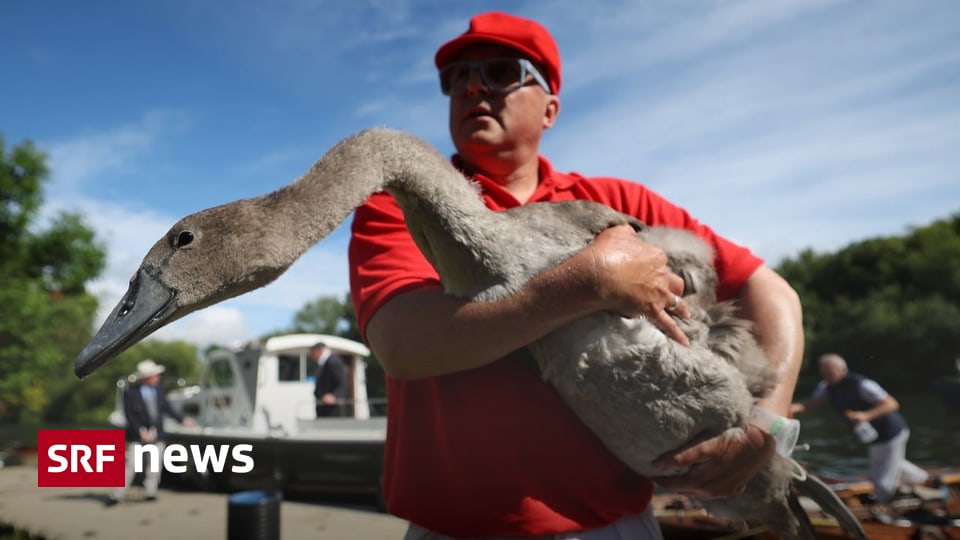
x: 144, y: 405
x: 331, y: 389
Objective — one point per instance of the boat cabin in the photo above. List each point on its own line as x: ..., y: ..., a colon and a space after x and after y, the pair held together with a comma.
x: 268, y: 387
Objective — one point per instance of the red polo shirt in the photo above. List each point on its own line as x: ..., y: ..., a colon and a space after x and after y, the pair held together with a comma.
x: 494, y: 451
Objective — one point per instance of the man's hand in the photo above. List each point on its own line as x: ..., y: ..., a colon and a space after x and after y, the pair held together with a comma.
x: 633, y: 279
x: 857, y: 416
x: 148, y: 435
x: 719, y: 467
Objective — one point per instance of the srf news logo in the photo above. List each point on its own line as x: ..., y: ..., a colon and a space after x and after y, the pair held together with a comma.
x: 80, y: 458
x: 97, y: 457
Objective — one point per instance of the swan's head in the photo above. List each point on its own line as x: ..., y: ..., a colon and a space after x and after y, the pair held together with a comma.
x: 205, y: 258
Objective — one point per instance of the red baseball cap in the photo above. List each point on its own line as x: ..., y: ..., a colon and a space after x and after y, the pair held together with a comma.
x: 527, y: 36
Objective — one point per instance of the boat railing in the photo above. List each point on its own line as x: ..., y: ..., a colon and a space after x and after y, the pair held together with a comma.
x: 376, y: 406
x: 217, y: 407
x: 117, y: 417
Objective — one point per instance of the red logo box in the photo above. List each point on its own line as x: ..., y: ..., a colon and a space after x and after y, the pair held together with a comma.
x: 80, y: 458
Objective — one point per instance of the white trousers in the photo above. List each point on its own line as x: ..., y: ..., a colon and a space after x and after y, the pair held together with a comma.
x: 640, y: 527
x: 889, y: 466
x: 151, y: 480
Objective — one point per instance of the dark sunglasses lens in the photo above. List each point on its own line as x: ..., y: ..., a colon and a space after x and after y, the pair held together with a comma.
x: 498, y: 74
x: 502, y: 73
x: 454, y: 76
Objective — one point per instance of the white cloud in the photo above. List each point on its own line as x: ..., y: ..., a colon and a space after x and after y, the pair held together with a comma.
x: 82, y: 158
x: 216, y: 325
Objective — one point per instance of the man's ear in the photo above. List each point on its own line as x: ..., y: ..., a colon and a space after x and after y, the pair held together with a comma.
x: 551, y: 111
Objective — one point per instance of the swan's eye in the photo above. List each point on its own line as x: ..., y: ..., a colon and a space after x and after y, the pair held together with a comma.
x: 183, y: 239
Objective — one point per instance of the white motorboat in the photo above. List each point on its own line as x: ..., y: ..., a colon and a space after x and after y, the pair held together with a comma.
x: 262, y: 395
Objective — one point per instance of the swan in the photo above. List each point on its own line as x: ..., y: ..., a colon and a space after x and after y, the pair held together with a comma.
x: 642, y: 393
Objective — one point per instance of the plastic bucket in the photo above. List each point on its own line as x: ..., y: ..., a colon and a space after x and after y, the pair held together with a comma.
x: 253, y: 515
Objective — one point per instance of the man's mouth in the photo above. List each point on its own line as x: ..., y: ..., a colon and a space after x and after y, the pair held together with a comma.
x: 479, y: 112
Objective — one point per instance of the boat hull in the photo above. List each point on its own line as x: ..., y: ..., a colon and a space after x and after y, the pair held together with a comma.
x: 336, y: 456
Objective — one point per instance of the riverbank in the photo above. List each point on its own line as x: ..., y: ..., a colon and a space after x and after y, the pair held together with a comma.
x: 79, y: 514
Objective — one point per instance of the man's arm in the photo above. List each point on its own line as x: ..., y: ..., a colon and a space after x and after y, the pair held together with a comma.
x: 425, y: 332
x: 885, y: 406
x: 166, y: 407
x: 132, y: 409
x: 774, y: 307
x: 339, y: 365
x: 807, y: 405
x: 722, y: 466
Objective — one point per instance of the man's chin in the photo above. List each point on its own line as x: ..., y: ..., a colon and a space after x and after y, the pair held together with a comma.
x: 478, y: 136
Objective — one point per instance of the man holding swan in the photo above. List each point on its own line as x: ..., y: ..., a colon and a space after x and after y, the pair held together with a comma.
x: 478, y: 445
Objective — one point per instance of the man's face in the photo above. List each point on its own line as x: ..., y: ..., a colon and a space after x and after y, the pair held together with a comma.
x: 152, y: 380
x: 482, y: 122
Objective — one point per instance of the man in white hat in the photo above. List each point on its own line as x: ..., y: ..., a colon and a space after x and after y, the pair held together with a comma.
x: 144, y: 405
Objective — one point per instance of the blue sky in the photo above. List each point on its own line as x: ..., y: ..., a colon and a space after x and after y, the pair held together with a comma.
x: 784, y: 125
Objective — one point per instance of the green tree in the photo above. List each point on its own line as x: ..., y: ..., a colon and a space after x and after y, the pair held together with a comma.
x: 90, y: 401
x: 66, y: 256
x: 22, y: 173
x: 885, y: 303
x: 325, y: 315
x: 46, y: 313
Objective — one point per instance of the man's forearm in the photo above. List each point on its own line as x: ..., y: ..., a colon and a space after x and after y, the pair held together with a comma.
x: 774, y: 307
x: 887, y: 406
x: 425, y: 333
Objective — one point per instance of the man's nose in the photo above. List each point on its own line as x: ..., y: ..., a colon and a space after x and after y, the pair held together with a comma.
x: 475, y: 84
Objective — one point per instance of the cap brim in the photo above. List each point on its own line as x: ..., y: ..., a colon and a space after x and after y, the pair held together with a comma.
x: 151, y: 374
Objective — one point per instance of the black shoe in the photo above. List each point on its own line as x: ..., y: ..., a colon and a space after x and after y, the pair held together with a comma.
x: 150, y: 498
x: 110, y: 502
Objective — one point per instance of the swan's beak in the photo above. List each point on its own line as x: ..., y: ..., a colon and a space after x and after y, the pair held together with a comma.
x: 146, y: 307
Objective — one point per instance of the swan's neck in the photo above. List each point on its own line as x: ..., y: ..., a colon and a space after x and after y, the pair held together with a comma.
x: 436, y: 199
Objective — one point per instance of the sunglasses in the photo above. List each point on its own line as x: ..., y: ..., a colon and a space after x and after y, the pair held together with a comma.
x: 500, y: 75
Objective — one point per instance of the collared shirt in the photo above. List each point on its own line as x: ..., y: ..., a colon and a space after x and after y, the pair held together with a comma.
x: 323, y: 358
x: 149, y: 394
